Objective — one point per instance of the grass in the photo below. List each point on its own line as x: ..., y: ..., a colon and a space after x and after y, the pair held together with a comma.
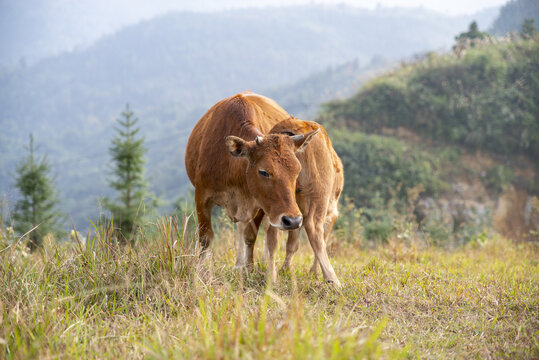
x: 155, y: 301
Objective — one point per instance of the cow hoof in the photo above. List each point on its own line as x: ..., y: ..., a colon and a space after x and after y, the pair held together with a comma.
x: 335, y: 284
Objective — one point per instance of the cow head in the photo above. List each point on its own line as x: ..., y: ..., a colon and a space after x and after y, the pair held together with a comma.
x: 272, y: 172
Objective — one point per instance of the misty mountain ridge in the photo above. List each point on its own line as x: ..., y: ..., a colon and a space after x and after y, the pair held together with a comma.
x: 49, y: 27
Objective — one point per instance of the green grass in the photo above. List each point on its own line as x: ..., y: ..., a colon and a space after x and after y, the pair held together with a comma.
x: 154, y: 301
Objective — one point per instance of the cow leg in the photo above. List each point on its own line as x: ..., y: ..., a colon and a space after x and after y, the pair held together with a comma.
x: 292, y: 246
x: 250, y: 233
x: 205, y: 231
x: 272, y: 235
x: 246, y: 240
x: 315, y: 232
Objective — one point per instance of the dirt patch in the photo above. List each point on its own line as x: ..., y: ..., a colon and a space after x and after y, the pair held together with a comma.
x: 516, y: 215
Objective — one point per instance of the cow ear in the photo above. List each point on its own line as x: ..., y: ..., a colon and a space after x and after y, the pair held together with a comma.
x: 300, y: 141
x: 237, y: 146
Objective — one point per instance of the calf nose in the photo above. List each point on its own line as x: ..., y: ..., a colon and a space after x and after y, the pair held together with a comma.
x: 291, y: 223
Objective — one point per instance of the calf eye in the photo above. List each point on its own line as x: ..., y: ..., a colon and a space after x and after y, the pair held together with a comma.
x: 263, y: 173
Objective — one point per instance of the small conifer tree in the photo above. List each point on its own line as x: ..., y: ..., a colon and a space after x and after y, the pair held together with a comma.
x: 38, y: 202
x: 127, y: 151
x: 473, y: 34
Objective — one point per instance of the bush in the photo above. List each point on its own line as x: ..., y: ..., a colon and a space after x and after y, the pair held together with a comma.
x: 380, y: 167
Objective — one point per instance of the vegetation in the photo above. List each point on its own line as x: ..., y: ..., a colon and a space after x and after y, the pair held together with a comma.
x: 400, y: 300
x: 488, y: 99
x: 442, y: 108
x: 473, y: 33
x: 36, y: 213
x: 381, y: 167
x: 127, y: 152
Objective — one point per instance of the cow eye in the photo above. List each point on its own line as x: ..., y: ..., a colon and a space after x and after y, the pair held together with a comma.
x: 263, y: 173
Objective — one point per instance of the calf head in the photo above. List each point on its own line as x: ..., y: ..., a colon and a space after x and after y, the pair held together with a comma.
x: 271, y: 174
x: 293, y: 126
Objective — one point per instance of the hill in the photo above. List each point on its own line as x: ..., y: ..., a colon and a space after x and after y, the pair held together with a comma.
x: 513, y: 14
x: 171, y: 68
x: 487, y: 99
x: 467, y: 139
x: 304, y: 97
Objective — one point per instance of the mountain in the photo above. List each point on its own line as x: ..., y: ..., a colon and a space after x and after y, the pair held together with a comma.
x: 172, y: 68
x: 36, y: 29
x: 304, y: 97
x: 513, y: 14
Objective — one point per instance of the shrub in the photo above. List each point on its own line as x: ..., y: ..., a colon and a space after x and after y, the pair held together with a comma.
x: 380, y: 167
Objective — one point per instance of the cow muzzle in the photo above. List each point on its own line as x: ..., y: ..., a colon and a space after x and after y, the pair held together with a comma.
x: 290, y: 222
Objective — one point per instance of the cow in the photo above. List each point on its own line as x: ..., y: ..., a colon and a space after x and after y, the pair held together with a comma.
x: 235, y: 161
x: 319, y: 187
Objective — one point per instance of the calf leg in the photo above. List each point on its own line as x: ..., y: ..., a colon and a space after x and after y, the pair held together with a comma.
x: 292, y: 246
x: 315, y: 232
x: 328, y: 226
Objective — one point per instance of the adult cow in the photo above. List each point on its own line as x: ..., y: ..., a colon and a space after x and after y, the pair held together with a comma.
x: 258, y: 176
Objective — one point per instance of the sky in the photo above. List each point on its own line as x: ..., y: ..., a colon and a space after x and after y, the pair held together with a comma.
x: 450, y: 7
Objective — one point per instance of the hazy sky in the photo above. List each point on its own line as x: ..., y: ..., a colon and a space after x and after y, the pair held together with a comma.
x: 450, y: 7
x: 446, y: 6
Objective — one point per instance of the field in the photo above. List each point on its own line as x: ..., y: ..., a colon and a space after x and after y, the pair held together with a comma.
x: 402, y: 299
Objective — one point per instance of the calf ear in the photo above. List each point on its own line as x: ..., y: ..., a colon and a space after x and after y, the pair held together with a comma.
x: 236, y: 146
x: 300, y: 141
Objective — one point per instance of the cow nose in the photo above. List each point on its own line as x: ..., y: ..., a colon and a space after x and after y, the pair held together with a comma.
x: 291, y: 223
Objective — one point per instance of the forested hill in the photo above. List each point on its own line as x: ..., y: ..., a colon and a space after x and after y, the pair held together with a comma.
x: 453, y: 136
x: 486, y: 98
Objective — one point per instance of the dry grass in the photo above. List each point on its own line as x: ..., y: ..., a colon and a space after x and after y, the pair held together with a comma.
x: 154, y: 301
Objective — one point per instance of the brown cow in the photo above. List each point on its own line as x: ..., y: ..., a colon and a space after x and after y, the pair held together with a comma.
x: 258, y: 179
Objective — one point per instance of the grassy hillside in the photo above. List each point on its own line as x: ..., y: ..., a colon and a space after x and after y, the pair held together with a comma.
x: 402, y: 300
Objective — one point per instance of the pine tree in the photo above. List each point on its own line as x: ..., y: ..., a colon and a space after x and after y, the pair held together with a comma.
x: 127, y: 153
x: 37, y: 206
x: 473, y: 33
